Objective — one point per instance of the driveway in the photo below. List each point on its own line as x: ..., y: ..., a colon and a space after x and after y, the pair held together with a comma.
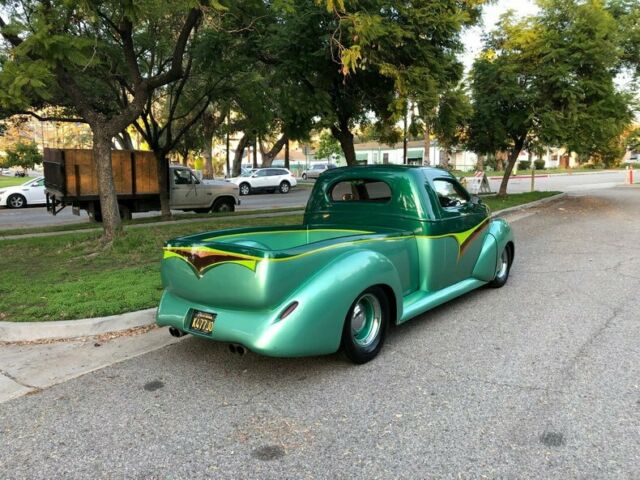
x: 538, y: 379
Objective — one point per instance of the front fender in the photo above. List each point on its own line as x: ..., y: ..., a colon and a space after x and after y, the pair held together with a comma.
x: 495, y: 241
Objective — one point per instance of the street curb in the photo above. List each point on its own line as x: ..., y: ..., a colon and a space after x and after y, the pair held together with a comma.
x: 526, y: 206
x: 87, y: 327
x: 56, y: 330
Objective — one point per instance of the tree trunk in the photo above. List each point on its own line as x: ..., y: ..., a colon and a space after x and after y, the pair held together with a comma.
x: 108, y: 198
x: 480, y: 163
x: 162, y: 165
x: 227, y: 155
x: 237, y: 158
x: 124, y: 140
x: 345, y: 137
x: 255, y: 152
x: 209, y: 125
x: 426, y: 158
x: 286, y: 154
x: 269, y: 156
x: 511, y: 161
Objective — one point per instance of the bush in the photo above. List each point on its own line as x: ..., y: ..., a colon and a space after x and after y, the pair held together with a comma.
x: 524, y: 165
x: 539, y: 164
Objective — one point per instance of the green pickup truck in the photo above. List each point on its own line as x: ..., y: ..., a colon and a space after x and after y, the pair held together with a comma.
x: 378, y: 245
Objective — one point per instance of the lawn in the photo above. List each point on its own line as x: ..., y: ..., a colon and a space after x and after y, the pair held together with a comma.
x: 498, y: 203
x: 71, y: 276
x: 11, y: 181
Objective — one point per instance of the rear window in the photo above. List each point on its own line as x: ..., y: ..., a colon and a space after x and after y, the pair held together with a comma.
x: 361, y: 190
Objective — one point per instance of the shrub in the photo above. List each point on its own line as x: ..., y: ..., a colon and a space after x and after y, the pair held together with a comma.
x: 539, y: 164
x: 524, y: 165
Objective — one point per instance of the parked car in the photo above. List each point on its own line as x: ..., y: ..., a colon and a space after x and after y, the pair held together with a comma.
x: 316, y: 170
x: 19, y: 196
x: 20, y: 173
x: 378, y: 246
x: 265, y: 179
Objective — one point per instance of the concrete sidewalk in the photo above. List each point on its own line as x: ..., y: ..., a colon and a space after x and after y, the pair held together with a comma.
x: 29, y: 368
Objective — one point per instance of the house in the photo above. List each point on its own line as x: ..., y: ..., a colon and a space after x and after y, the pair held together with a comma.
x: 379, y: 153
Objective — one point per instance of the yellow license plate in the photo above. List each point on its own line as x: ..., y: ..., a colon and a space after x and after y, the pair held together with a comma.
x: 202, y: 322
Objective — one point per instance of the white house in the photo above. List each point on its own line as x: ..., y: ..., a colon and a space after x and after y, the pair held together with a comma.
x: 377, y: 153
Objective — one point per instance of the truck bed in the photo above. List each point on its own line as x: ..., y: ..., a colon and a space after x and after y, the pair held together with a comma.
x: 257, y: 267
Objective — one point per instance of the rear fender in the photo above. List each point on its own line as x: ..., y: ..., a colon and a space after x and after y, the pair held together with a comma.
x: 324, y: 300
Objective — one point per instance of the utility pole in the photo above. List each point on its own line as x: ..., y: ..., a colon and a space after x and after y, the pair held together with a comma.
x: 404, y: 134
x: 227, y: 159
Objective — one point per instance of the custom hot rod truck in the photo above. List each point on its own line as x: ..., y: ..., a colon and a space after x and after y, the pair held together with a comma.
x: 378, y: 246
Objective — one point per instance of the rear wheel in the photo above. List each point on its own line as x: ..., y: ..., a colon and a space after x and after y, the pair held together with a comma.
x: 245, y: 189
x: 224, y: 205
x: 304, y: 176
x: 16, y: 201
x: 285, y: 187
x: 502, y: 275
x: 125, y: 212
x: 365, y: 326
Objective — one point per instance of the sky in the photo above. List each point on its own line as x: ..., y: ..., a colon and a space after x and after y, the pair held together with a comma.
x: 472, y: 38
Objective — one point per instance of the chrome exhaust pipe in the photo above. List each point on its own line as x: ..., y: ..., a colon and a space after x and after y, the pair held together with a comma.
x: 176, y: 332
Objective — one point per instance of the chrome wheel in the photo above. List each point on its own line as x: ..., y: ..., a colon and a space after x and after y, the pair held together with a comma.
x: 245, y: 189
x: 366, y: 319
x: 504, y: 265
x: 284, y: 187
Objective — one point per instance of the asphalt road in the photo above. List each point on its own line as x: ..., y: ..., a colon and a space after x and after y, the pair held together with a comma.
x: 38, y: 216
x: 538, y: 379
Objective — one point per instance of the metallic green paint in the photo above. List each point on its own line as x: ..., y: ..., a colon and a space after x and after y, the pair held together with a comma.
x: 421, y: 253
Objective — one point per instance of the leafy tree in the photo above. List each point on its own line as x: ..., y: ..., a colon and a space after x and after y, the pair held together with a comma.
x: 83, y: 54
x: 549, y: 80
x: 23, y: 155
x: 361, y: 65
x: 451, y: 123
x: 328, y: 146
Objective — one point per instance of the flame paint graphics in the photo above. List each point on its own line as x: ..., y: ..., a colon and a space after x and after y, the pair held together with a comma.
x: 202, y: 259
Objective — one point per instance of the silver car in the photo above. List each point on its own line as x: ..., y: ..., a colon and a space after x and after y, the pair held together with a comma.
x: 316, y: 170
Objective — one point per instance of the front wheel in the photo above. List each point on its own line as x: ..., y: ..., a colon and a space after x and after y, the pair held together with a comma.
x: 16, y: 201
x: 285, y: 187
x: 245, y: 189
x: 224, y: 205
x: 304, y: 176
x: 365, y: 326
x: 502, y: 275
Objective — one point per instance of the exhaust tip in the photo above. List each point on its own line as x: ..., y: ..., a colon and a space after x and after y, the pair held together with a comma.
x: 176, y: 332
x: 236, y: 348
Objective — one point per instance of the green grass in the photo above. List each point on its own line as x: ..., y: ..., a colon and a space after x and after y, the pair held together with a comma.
x: 498, y: 203
x: 11, y: 181
x: 72, y: 276
x: 140, y: 221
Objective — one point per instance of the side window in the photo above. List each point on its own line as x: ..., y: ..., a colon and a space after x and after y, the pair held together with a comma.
x: 181, y: 176
x: 262, y: 173
x: 361, y: 190
x: 450, y: 194
x: 39, y: 183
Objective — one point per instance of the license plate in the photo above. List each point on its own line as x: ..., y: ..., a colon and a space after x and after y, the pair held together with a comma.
x: 202, y: 322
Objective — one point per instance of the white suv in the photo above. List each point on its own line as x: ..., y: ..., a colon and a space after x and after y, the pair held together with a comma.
x: 265, y: 179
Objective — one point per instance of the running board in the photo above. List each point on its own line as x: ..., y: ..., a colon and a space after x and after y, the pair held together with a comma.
x: 419, y: 302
